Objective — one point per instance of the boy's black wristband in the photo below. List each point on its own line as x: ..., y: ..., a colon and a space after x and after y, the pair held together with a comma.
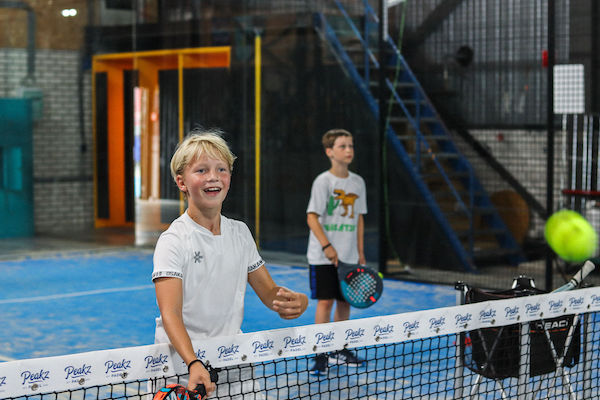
x: 326, y: 246
x: 194, y: 361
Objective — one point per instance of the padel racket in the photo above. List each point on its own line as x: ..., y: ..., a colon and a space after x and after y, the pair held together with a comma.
x: 588, y: 267
x: 361, y: 286
x: 176, y: 392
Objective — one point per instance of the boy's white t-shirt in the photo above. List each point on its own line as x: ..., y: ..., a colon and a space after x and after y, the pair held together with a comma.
x: 338, y: 202
x: 214, y: 272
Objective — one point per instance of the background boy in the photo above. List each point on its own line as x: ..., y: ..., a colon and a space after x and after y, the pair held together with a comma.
x: 335, y: 218
x: 203, y: 262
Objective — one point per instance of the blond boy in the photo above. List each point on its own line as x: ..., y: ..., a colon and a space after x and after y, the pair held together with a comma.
x: 203, y: 262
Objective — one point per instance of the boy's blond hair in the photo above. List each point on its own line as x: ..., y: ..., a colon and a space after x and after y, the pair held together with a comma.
x: 329, y: 137
x: 209, y: 142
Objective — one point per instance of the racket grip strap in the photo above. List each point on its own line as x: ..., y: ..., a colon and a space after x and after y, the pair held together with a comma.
x: 326, y: 246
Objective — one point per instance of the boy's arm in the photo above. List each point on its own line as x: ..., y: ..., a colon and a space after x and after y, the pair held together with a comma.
x: 287, y: 303
x: 315, y: 226
x: 360, y: 242
x: 169, y: 295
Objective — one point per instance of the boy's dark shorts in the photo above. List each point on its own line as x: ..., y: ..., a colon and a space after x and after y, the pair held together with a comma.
x: 324, y: 283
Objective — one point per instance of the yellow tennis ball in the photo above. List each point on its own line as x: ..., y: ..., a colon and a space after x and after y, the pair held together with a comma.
x: 571, y: 236
x: 380, y: 275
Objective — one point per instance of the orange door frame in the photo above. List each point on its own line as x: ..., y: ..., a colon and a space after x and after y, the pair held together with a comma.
x: 148, y: 64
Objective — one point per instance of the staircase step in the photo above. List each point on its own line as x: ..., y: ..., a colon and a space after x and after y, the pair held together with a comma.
x: 463, y: 234
x: 408, y: 102
x: 477, y: 212
x: 404, y: 120
x: 449, y: 174
x: 407, y: 138
x: 448, y: 195
x: 437, y: 155
x: 399, y: 85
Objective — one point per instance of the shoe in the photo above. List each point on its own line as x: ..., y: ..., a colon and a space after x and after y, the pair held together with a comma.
x: 320, y: 365
x: 345, y: 356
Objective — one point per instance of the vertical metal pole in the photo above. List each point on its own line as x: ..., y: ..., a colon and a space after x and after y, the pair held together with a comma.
x: 382, y: 137
x: 180, y: 115
x: 257, y: 121
x: 550, y: 144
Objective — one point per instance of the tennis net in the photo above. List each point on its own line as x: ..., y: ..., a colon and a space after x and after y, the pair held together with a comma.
x: 542, y: 346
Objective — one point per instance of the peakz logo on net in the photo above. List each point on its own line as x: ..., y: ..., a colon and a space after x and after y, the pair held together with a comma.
x: 463, y: 319
x: 383, y: 331
x: 294, y: 343
x: 555, y: 306
x: 576, y: 302
x: 487, y: 315
x: 77, y: 372
x: 512, y: 313
x: 262, y: 347
x: 437, y: 324
x: 153, y: 362
x: 410, y: 327
x: 595, y: 300
x: 113, y: 367
x: 2, y: 381
x: 227, y: 352
x: 325, y: 339
x: 353, y: 335
x: 30, y: 377
x: 532, y: 310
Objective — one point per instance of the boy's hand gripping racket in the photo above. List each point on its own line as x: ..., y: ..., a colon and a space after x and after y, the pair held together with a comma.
x: 360, y: 285
x: 200, y: 390
x: 588, y: 267
x: 178, y: 392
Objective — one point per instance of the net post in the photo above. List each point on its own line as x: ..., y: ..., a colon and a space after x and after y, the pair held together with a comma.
x: 458, y: 368
x: 587, y: 358
x: 459, y: 365
x: 525, y: 349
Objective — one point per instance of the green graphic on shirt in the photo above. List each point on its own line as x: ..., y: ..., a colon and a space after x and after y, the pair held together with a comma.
x: 332, y: 205
x: 340, y: 227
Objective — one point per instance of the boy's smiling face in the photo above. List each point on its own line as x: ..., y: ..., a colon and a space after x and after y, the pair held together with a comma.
x: 342, y: 151
x: 206, y: 182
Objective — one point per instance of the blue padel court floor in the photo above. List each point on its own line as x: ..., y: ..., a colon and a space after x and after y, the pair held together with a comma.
x: 80, y: 301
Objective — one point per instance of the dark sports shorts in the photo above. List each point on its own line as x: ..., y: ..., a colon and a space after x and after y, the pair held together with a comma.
x: 324, y: 283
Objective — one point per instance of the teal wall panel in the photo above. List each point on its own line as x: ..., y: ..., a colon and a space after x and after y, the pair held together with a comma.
x: 16, y: 168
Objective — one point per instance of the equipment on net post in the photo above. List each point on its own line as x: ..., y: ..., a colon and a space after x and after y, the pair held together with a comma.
x: 360, y: 285
x: 500, y: 353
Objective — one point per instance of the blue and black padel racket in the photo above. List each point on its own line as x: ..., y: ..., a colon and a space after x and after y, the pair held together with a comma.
x: 361, y: 286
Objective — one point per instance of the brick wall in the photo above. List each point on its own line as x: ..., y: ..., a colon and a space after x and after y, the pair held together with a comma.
x: 63, y: 173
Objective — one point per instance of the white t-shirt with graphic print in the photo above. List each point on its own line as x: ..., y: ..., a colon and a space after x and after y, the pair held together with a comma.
x: 214, y: 271
x: 338, y: 202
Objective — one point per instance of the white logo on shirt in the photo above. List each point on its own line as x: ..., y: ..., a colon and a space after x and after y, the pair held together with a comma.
x: 198, y: 257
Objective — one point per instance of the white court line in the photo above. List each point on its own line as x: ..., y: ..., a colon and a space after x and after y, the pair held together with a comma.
x: 74, y: 294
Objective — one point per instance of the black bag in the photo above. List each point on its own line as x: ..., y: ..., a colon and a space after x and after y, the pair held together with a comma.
x: 495, y: 352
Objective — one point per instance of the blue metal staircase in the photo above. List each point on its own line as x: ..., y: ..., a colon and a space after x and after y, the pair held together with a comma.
x: 444, y: 177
